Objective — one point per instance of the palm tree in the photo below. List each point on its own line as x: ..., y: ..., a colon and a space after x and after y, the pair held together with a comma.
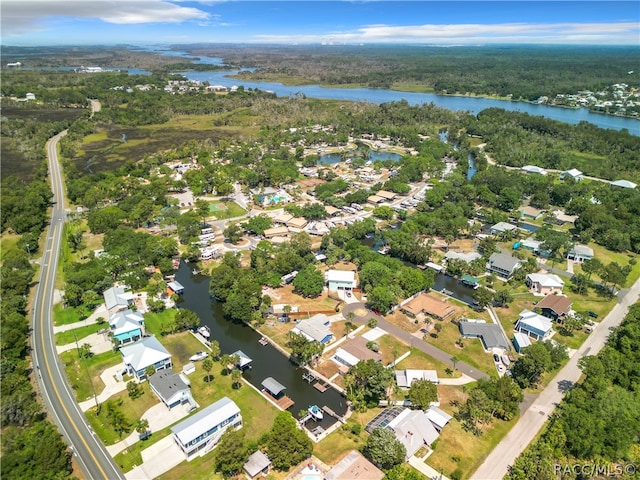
x: 454, y: 360
x: 207, y: 365
x: 142, y: 426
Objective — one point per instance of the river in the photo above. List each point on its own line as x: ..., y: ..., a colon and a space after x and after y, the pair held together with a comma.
x: 267, y: 361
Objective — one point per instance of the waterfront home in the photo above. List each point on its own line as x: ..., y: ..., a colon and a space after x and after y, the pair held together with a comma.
x: 340, y: 280
x: 117, y: 298
x: 534, y: 325
x: 147, y: 352
x: 503, y: 265
x: 258, y: 464
x: 502, y: 227
x: 555, y: 307
x: 204, y: 429
x: 404, y: 378
x: 127, y: 326
x: 354, y: 351
x: 429, y: 305
x: 544, y: 283
x: 171, y: 389
x: 354, y: 466
x: 467, y: 257
x: 490, y: 334
x: 580, y: 253
x: 315, y: 329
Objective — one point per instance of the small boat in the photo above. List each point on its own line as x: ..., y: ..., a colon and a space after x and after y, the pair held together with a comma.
x: 315, y: 412
x: 204, y: 331
x: 198, y: 356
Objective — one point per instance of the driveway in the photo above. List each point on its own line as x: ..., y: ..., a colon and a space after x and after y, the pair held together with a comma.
x: 411, y: 340
x: 112, y: 386
x: 100, y: 343
x: 157, y: 459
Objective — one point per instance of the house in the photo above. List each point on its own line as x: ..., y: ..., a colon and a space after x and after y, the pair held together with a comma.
x: 534, y: 169
x: 170, y: 388
x: 490, y: 334
x: 530, y: 213
x: 533, y: 246
x: 404, y: 378
x: 465, y: 257
x: 375, y: 199
x: 354, y: 466
x: 580, y: 253
x: 534, y: 325
x: 315, y: 329
x: 387, y: 196
x: 283, y: 218
x: 297, y: 222
x: 332, y: 211
x: 555, y: 306
x: 502, y: 227
x: 414, y: 430
x: 175, y: 287
x: 544, y: 283
x: 117, y: 298
x: 425, y: 303
x: 209, y: 253
x: 276, y: 232
x: 574, y: 173
x: 354, y: 351
x: 257, y: 464
x: 562, y: 218
x: 438, y: 417
x: 520, y: 341
x: 617, y: 183
x: 204, y: 429
x: 127, y: 326
x: 30, y: 96
x: 503, y: 265
x: 148, y: 352
x: 340, y: 280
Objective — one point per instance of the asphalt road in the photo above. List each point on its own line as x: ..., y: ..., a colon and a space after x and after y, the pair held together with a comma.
x: 59, y: 399
x: 534, y: 418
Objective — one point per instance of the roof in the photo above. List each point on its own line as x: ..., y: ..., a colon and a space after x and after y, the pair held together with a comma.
x: 531, y: 243
x: 503, y: 227
x: 534, y: 322
x: 125, y: 321
x: 143, y: 353
x: 340, y: 276
x: 531, y: 211
x: 297, y: 222
x: 244, y: 358
x: 581, y: 250
x: 465, y: 257
x: 534, y: 169
x: 383, y: 418
x: 354, y: 467
x: 469, y: 279
x: 117, y: 297
x: 503, y: 261
x: 167, y: 383
x: 175, y: 286
x: 560, y: 304
x: 256, y: 463
x: 358, y: 348
x: 205, y: 419
x: 490, y: 333
x: 386, y: 195
x: 273, y: 386
x: 521, y: 340
x: 315, y: 328
x: 282, y: 218
x: 434, y: 266
x: 375, y: 199
x: 404, y: 378
x: 438, y: 417
x: 270, y: 232
x: 413, y: 429
x: 430, y: 305
x: 331, y: 210
x: 624, y: 184
x: 574, y: 172
x: 548, y: 280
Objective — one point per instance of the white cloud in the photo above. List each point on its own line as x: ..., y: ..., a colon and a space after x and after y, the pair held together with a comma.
x: 621, y: 32
x: 23, y: 16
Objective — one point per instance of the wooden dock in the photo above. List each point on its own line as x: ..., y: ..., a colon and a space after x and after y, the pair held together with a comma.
x: 263, y: 341
x: 320, y: 386
x: 330, y: 412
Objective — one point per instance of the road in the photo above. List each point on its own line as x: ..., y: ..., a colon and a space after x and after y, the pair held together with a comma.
x: 59, y: 399
x: 534, y: 418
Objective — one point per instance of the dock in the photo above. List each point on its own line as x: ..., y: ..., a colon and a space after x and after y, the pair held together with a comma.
x: 263, y: 341
x: 309, y: 377
x: 283, y: 402
x: 321, y: 386
x: 330, y: 412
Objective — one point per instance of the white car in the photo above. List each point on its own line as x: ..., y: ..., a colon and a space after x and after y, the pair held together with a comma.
x: 500, y: 368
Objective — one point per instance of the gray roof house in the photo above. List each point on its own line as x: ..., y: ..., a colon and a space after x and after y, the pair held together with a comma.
x: 438, y: 417
x: 502, y: 227
x: 503, y: 265
x: 117, y: 298
x: 315, y: 329
x: 170, y: 388
x: 489, y: 333
x: 414, y: 430
x: 580, y: 253
x: 204, y: 429
x: 145, y: 353
x: 257, y: 463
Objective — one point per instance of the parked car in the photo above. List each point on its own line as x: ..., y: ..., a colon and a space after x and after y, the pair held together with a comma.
x: 348, y: 293
x: 500, y: 368
x: 592, y: 314
x: 588, y: 329
x: 496, y: 358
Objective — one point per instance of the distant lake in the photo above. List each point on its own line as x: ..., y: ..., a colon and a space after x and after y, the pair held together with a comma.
x: 473, y: 105
x: 372, y: 155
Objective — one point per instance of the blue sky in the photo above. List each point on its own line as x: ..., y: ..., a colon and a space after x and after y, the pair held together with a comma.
x: 79, y: 22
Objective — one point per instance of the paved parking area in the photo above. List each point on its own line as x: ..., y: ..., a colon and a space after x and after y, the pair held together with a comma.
x: 157, y: 459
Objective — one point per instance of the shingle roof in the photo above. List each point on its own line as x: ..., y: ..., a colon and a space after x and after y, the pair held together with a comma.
x: 560, y: 304
x: 490, y: 333
x: 256, y: 463
x: 167, y: 383
x: 354, y: 467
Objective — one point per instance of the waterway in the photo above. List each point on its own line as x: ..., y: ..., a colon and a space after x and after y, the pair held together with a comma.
x: 372, y: 155
x: 267, y: 361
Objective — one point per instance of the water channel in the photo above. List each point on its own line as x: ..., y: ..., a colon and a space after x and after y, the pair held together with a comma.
x: 267, y: 361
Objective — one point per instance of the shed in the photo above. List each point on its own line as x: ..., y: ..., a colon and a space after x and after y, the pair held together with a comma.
x: 176, y: 287
x: 257, y: 463
x: 272, y: 386
x: 520, y: 341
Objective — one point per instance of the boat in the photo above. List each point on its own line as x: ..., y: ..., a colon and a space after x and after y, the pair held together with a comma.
x: 198, y: 356
x: 204, y: 331
x: 316, y: 412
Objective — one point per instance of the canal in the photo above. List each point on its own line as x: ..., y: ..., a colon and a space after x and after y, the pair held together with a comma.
x: 267, y: 361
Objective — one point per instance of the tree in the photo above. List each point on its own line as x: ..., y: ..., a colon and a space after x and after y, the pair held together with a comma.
x: 207, y: 366
x: 528, y: 369
x: 454, y: 360
x: 85, y: 351
x: 188, y: 227
x: 231, y: 453
x: 287, y: 445
x: 381, y: 299
x: 580, y: 283
x: 150, y: 371
x: 236, y: 376
x: 438, y: 328
x: 202, y: 209
x: 367, y: 383
x: 591, y: 266
x: 302, y: 349
x: 187, y: 319
x: 309, y: 282
x: 142, y: 426
x: 215, y: 349
x: 258, y: 224
x: 383, y: 449
x: 134, y: 389
x: 503, y: 297
x: 483, y: 296
x: 422, y: 393
x: 233, y: 233
x: 476, y: 411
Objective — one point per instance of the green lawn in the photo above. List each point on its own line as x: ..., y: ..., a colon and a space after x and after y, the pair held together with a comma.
x: 66, y: 316
x: 82, y: 373
x: 70, y: 336
x: 421, y: 361
x: 153, y: 321
x: 232, y: 210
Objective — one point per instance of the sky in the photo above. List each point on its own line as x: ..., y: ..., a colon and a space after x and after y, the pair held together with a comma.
x: 108, y: 22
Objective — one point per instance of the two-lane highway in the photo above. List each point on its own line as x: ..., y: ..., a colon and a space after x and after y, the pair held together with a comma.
x: 91, y: 455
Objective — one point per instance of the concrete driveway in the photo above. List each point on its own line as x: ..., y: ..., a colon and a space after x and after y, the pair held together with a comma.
x: 157, y: 459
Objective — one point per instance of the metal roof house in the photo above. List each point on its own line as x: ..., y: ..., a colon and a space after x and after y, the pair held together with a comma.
x: 404, y: 378
x: 544, y: 283
x: 315, y: 329
x: 145, y: 353
x: 170, y: 388
x: 465, y: 257
x: 204, y: 429
x: 257, y: 463
x: 503, y: 265
x: 489, y: 333
x: 580, y: 253
x: 534, y: 169
x: 534, y: 325
x: 624, y: 184
x: 502, y: 227
x: 127, y: 326
x: 340, y: 279
x: 117, y: 298
x: 574, y: 173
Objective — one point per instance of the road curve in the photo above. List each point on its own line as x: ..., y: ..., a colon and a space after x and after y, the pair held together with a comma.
x: 59, y: 399
x: 534, y: 418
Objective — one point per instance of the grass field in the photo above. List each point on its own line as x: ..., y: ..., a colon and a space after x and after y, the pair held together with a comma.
x: 70, y: 336
x: 224, y: 210
x: 84, y: 374
x: 66, y: 316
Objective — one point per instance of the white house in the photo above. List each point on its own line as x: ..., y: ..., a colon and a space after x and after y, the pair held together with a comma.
x: 574, y: 173
x: 315, y: 329
x: 30, y: 96
x: 340, y: 280
x: 404, y: 378
x: 580, y: 253
x: 536, y: 326
x: 617, y: 183
x: 414, y: 430
x: 117, y: 298
x: 204, y: 429
x: 465, y: 257
x: 544, y: 283
x: 138, y: 356
x: 502, y: 227
x: 534, y: 169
